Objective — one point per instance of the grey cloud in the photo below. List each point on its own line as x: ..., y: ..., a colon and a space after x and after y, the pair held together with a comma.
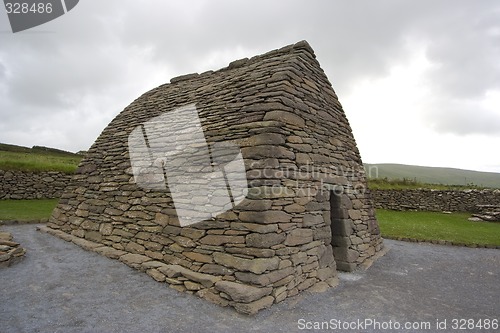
x: 463, y: 118
x: 352, y: 38
x: 94, y: 51
x: 464, y: 51
x: 466, y: 54
x: 3, y: 70
x: 35, y: 83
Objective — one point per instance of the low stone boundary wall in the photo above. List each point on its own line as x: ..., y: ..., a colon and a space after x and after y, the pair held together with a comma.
x: 435, y: 200
x: 32, y: 185
x: 490, y: 213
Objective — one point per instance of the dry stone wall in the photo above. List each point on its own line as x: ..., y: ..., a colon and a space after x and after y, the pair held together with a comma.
x: 10, y: 251
x: 489, y: 213
x: 32, y: 185
x: 435, y: 200
x: 307, y: 212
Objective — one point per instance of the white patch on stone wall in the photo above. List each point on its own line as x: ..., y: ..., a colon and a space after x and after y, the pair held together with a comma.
x: 169, y: 152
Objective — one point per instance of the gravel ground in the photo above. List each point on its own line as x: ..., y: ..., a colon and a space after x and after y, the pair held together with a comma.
x: 59, y: 287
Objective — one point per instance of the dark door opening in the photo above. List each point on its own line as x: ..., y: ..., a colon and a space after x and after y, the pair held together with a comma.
x: 341, y: 230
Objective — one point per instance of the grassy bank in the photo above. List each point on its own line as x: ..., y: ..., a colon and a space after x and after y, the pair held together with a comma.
x: 436, y: 226
x: 26, y: 210
x: 37, y: 159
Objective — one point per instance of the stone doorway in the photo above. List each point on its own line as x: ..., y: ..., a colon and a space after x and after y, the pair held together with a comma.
x: 341, y: 229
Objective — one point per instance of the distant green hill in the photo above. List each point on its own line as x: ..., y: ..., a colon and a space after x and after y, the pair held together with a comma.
x: 38, y: 158
x: 434, y: 175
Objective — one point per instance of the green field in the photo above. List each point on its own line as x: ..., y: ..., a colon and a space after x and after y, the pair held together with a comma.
x: 436, y: 226
x: 37, y: 159
x: 26, y: 210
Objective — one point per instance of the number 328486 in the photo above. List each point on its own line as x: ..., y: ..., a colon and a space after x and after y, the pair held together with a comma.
x: 25, y: 8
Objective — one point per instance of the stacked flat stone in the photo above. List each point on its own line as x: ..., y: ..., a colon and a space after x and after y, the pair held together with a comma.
x: 10, y: 251
x: 489, y: 213
x: 307, y: 212
x: 32, y: 185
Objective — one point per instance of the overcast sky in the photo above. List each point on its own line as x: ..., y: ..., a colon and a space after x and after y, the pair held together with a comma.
x: 419, y: 80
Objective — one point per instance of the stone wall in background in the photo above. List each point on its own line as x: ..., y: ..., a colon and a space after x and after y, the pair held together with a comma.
x: 31, y: 185
x: 435, y: 200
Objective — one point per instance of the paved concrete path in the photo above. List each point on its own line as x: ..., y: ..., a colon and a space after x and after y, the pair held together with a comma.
x: 60, y: 287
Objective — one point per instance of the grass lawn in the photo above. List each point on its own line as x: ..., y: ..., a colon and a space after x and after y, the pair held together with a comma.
x: 35, y: 161
x: 436, y: 226
x: 25, y: 210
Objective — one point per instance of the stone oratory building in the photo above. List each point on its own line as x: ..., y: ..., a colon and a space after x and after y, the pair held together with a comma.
x: 243, y: 186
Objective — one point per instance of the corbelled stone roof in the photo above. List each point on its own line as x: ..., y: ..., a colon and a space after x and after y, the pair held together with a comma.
x: 306, y: 211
